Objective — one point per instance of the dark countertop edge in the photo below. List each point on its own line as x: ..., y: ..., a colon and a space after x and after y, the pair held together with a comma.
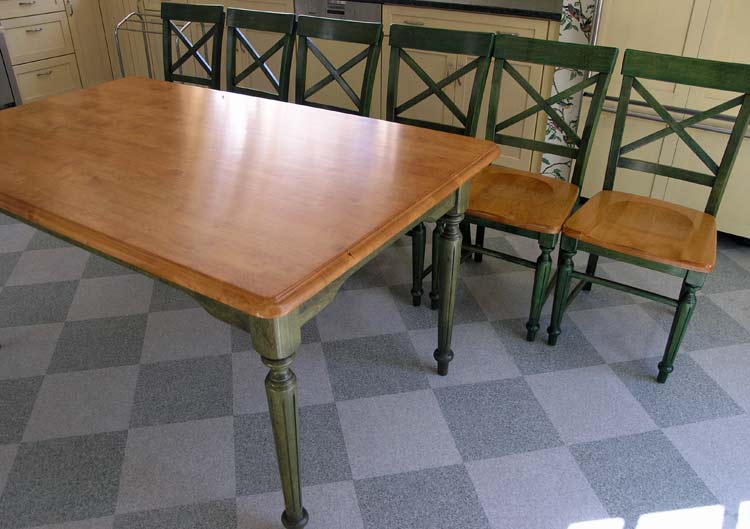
x: 495, y: 10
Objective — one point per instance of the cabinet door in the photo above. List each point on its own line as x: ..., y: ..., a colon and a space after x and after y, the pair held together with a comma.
x: 89, y: 41
x: 40, y: 79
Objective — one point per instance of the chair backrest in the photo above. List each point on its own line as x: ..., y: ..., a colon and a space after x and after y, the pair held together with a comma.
x: 471, y: 43
x: 730, y: 77
x: 599, y: 61
x: 198, y: 16
x: 283, y: 23
x: 367, y: 33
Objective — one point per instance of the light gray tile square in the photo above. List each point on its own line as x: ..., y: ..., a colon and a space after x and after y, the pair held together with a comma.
x: 639, y: 474
x: 703, y: 516
x: 182, y: 334
x: 375, y: 365
x: 183, y: 390
x: 479, y: 355
x: 718, y: 451
x: 177, y: 464
x: 48, y: 266
x: 8, y: 262
x: 166, y: 297
x: 726, y: 276
x: 494, y: 419
x: 357, y: 313
x: 466, y: 308
x: 107, y: 297
x: 100, y: 267
x: 7, y: 456
x: 92, y: 523
x: 44, y: 241
x: 82, y: 403
x: 504, y: 296
x: 740, y: 255
x: 7, y: 219
x: 637, y: 276
x: 730, y: 368
x: 322, y: 452
x: 27, y: 350
x: 736, y: 304
x: 689, y: 395
x: 369, y: 276
x: 17, y: 398
x: 536, y: 490
x: 15, y: 237
x: 35, y: 304
x: 435, y: 498
x: 63, y: 480
x: 331, y: 506
x: 249, y: 375
x: 589, y: 404
x: 396, y: 433
x: 620, y: 333
x: 491, y: 265
x: 221, y: 514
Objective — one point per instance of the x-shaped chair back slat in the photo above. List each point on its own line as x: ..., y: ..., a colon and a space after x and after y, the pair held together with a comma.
x: 284, y: 23
x: 366, y: 33
x: 474, y: 44
x: 714, y: 75
x: 208, y: 18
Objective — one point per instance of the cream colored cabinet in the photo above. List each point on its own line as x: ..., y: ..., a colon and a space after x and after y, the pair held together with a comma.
x: 38, y: 37
x: 21, y: 8
x: 87, y: 30
x: 48, y: 77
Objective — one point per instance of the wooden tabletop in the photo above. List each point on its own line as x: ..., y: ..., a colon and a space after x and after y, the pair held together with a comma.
x: 253, y: 203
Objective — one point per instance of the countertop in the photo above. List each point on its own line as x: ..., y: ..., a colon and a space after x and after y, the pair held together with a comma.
x: 546, y: 9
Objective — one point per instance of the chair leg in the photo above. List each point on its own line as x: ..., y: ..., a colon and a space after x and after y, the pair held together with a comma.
x: 479, y: 242
x: 541, y: 278
x: 418, y: 244
x: 434, y: 294
x: 591, y: 270
x: 680, y: 322
x: 564, y: 275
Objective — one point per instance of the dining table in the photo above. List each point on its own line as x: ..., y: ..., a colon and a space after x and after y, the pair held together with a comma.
x: 258, y: 209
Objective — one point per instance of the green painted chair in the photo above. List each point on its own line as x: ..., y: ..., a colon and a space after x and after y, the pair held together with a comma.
x: 283, y: 23
x: 469, y: 43
x: 367, y: 33
x: 530, y: 204
x: 202, y: 16
x: 648, y: 232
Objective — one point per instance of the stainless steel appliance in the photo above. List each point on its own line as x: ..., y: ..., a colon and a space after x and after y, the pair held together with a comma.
x: 363, y: 11
x: 9, y: 95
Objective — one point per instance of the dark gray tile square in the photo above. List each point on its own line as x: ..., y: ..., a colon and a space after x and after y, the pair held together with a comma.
x: 640, y: 474
x: 45, y: 241
x: 376, y: 365
x: 494, y: 419
x: 35, y: 304
x: 183, y: 390
x: 727, y: 276
x: 17, y: 397
x: 572, y: 351
x: 241, y: 341
x: 310, y: 332
x: 322, y: 451
x: 100, y: 267
x: 95, y: 344
x: 467, y: 309
x: 8, y: 262
x: 436, y: 498
x: 166, y: 297
x: 369, y: 276
x: 213, y: 515
x: 690, y: 394
x: 60, y: 480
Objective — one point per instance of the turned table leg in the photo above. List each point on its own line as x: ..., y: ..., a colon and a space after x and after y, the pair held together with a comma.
x: 449, y: 259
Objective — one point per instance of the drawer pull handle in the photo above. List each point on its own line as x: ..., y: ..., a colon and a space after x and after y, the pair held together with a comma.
x: 413, y: 22
x: 27, y: 3
x: 35, y: 30
x: 44, y: 74
x: 512, y: 34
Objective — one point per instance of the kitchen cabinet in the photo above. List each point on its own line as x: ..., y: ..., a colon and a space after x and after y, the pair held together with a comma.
x: 89, y: 41
x: 48, y: 77
x: 38, y: 37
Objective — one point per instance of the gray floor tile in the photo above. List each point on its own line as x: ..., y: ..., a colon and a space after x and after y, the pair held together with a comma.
x: 479, y: 355
x: 8, y: 262
x: 717, y: 451
x: 727, y: 276
x: 177, y: 464
x: 357, y: 313
x: 437, y: 498
x: 27, y: 351
x: 730, y: 368
x: 241, y: 340
x: 6, y: 219
x: 572, y: 349
x: 589, y: 404
x: 220, y: 514
x: 183, y: 390
x: 467, y: 309
x: 322, y: 451
x: 45, y: 241
x: 490, y: 265
x: 62, y: 480
x: 740, y: 255
x: 331, y: 506
x: 99, y: 343
x: 736, y: 304
x: 166, y: 297
x: 17, y: 398
x: 101, y: 267
x: 7, y: 456
x: 15, y: 237
x: 504, y: 296
x: 396, y: 433
x: 249, y: 375
x: 535, y: 490
x: 483, y: 428
x: 107, y: 297
x: 310, y: 332
x: 640, y: 474
x: 181, y: 334
x: 599, y: 297
x: 92, y: 523
x: 35, y: 304
x: 689, y: 395
x: 704, y: 516
x: 369, y: 276
x: 664, y: 284
x: 376, y: 365
x: 48, y: 266
x: 82, y: 403
x: 395, y: 263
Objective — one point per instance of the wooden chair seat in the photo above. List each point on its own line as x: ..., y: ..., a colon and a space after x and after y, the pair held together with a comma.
x: 518, y: 198
x: 647, y: 228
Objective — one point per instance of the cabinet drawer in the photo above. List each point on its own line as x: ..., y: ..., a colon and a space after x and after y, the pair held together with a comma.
x: 40, y: 79
x: 38, y: 37
x: 22, y: 8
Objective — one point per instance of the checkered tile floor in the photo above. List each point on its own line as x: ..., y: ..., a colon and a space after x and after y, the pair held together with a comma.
x: 124, y: 405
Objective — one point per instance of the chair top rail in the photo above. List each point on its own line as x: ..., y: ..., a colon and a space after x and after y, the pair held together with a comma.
x: 442, y: 40
x: 208, y: 14
x: 550, y: 53
x: 260, y: 20
x: 342, y: 30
